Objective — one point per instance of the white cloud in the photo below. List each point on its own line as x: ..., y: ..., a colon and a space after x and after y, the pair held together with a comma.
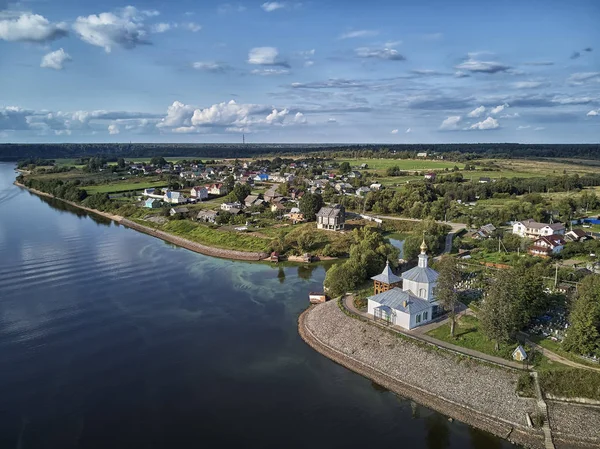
x: 161, y: 27
x: 593, y: 113
x: 389, y: 54
x: 408, y: 130
x: 227, y: 8
x: 14, y: 118
x: 125, y: 29
x: 226, y: 114
x: 450, y: 123
x: 192, y: 26
x: 270, y: 72
x: 299, y: 118
x: 309, y: 63
x: 113, y: 129
x: 498, y: 109
x: 265, y: 56
x: 528, y: 84
x: 392, y: 44
x: 488, y: 123
x: 539, y: 128
x: 55, y: 59
x: 31, y: 28
x: 178, y: 114
x: 477, y: 112
x: 277, y: 117
x: 272, y: 6
x: 513, y: 115
x: 210, y: 66
x: 394, y: 131
x: 461, y: 74
x: 477, y: 66
x: 331, y: 120
x: 521, y: 127
x: 583, y: 77
x: 359, y: 33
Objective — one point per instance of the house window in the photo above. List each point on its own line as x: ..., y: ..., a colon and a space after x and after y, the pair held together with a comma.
x: 424, y: 316
x: 418, y: 318
x: 422, y: 293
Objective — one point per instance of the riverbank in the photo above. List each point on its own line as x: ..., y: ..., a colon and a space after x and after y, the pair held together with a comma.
x: 179, y: 241
x: 477, y: 394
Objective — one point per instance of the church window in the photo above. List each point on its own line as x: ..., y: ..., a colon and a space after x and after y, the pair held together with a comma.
x: 424, y: 316
x: 418, y: 318
x: 422, y: 293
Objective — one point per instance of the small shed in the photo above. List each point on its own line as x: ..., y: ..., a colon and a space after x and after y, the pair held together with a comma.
x: 317, y: 298
x: 274, y: 256
x: 519, y: 354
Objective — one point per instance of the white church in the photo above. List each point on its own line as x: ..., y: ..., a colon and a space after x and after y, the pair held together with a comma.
x: 407, y: 300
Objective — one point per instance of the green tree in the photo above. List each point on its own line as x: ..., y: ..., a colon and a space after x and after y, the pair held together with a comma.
x: 309, y: 205
x: 229, y: 183
x: 583, y: 336
x: 158, y: 161
x: 445, y: 291
x: 344, y: 168
x: 121, y: 162
x: 499, y: 315
x: 240, y: 192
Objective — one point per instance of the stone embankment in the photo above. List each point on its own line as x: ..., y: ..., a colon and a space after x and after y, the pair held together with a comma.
x: 477, y: 394
x: 179, y: 241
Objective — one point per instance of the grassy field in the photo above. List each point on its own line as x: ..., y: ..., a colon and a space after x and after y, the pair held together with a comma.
x: 217, y: 238
x: 469, y: 335
x: 123, y: 187
x: 403, y: 164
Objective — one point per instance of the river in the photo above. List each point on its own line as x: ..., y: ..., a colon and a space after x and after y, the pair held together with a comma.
x: 113, y: 339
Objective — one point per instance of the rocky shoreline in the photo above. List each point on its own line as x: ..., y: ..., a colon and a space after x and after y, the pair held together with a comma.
x: 179, y: 241
x: 480, y: 395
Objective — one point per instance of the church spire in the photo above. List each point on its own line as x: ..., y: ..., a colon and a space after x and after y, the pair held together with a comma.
x: 423, y: 245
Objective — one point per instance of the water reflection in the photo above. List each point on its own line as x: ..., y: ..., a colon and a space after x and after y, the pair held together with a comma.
x: 438, y: 434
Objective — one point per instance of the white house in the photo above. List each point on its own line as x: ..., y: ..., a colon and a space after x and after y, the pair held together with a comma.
x: 174, y: 198
x: 547, y: 245
x: 217, y: 189
x: 199, y: 192
x: 532, y: 229
x: 413, y: 304
x: 229, y: 206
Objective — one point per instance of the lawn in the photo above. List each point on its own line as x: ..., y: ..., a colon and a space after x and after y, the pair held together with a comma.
x: 123, y: 187
x: 469, y: 335
x: 403, y: 164
x: 206, y: 235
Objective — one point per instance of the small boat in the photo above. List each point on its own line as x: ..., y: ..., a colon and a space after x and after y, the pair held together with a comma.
x: 317, y: 297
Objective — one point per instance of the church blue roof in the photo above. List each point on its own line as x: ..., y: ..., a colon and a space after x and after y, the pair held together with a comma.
x: 396, y: 297
x: 420, y: 274
x: 387, y: 276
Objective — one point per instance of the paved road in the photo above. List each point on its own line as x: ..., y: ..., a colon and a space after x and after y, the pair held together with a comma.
x: 554, y: 356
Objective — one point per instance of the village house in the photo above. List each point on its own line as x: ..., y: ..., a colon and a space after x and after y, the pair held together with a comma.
x: 152, y: 203
x: 271, y: 194
x: 424, y: 154
x: 364, y: 166
x: 430, y: 176
x: 532, y: 229
x: 547, y: 245
x: 252, y: 200
x: 411, y: 305
x: 217, y: 189
x: 375, y: 186
x: 261, y: 177
x: 179, y: 211
x: 229, y: 206
x: 277, y: 207
x: 332, y: 218
x: 576, y: 235
x: 484, y: 180
x: 207, y: 216
x: 362, y: 191
x: 199, y: 192
x: 296, y: 216
x: 174, y: 197
x: 484, y: 232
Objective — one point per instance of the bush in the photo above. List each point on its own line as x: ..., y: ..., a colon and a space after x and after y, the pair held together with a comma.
x: 525, y: 386
x: 571, y: 383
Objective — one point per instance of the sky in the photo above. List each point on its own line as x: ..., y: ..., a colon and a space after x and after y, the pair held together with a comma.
x: 329, y: 71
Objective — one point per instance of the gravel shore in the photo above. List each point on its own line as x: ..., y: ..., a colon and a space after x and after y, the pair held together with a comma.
x: 574, y: 422
x: 479, y: 395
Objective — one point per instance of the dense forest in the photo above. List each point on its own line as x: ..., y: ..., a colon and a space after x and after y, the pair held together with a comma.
x: 13, y: 152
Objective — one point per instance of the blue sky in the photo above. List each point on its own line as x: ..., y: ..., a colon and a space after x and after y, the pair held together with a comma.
x: 311, y: 71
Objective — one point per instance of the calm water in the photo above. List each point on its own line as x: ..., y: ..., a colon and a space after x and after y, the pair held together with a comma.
x: 113, y: 339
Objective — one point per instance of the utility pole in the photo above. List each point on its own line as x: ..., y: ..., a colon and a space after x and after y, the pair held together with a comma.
x: 556, y: 277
